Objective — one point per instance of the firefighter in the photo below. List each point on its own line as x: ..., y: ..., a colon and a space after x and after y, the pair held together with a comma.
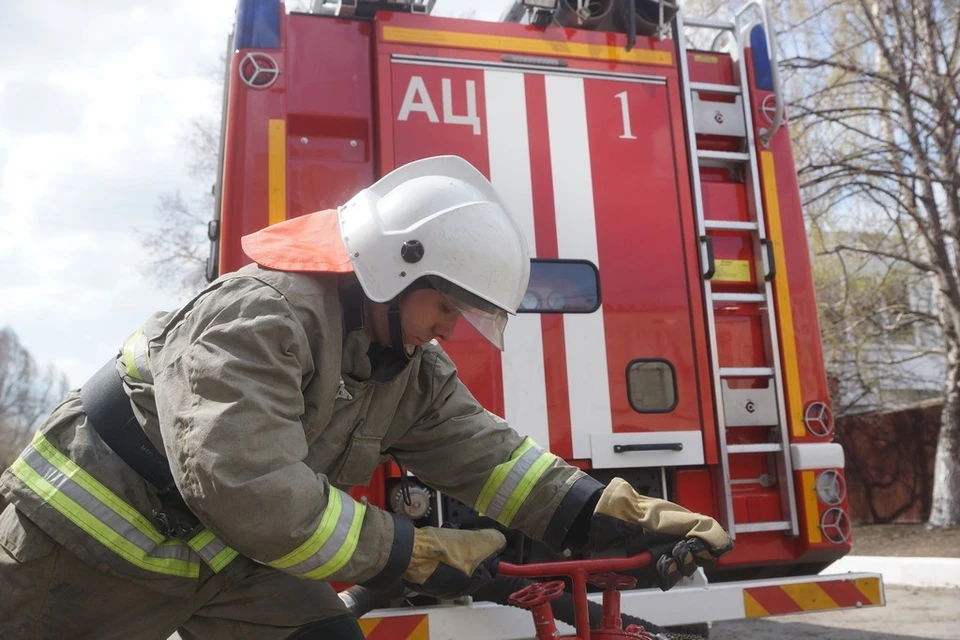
x: 198, y: 482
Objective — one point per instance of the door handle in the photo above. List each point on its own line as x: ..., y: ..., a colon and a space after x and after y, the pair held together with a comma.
x: 665, y: 446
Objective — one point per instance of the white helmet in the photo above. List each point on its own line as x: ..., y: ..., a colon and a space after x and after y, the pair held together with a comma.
x: 439, y: 219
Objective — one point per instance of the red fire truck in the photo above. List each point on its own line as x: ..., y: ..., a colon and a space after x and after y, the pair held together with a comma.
x: 669, y: 335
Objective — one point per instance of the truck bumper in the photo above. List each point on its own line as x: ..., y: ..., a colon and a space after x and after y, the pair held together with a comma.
x: 690, y: 603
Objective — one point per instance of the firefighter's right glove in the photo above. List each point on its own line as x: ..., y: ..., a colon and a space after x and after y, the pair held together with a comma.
x: 448, y: 563
x: 679, y: 540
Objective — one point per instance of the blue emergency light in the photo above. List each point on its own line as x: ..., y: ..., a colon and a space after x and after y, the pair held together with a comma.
x: 762, y: 74
x: 258, y: 24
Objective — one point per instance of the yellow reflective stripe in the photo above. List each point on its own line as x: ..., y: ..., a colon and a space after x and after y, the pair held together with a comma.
x: 201, y: 540
x: 101, y: 532
x: 332, y: 545
x: 542, y: 46
x: 213, y: 551
x: 521, y: 493
x: 128, y: 358
x: 346, y: 551
x: 752, y: 608
x: 136, y: 357
x: 497, y: 477
x: 811, y: 507
x: 331, y: 515
x: 222, y: 559
x: 276, y: 171
x: 70, y: 469
x: 781, y: 281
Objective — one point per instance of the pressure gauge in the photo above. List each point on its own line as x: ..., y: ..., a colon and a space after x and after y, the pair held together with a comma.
x: 419, y: 506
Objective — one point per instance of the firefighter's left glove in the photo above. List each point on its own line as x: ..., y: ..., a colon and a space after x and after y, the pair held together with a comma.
x: 678, y: 539
x: 448, y: 563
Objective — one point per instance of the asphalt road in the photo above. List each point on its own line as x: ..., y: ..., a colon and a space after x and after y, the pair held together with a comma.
x: 910, y: 613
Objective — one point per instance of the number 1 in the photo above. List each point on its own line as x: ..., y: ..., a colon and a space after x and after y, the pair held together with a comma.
x: 625, y: 110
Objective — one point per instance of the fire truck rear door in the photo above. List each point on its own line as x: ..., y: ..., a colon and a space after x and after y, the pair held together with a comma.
x: 590, y: 165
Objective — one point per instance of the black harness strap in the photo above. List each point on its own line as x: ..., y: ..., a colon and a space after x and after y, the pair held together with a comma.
x: 111, y: 415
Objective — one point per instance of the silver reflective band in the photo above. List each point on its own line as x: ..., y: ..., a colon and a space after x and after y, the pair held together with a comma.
x: 333, y: 544
x: 136, y: 357
x: 140, y: 544
x: 213, y: 551
x: 512, y: 481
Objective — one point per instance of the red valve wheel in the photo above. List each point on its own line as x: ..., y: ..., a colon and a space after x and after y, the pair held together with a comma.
x: 612, y: 581
x: 536, y: 594
x: 639, y: 632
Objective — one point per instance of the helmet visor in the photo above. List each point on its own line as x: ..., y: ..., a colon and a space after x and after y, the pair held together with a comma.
x: 489, y: 324
x: 489, y: 319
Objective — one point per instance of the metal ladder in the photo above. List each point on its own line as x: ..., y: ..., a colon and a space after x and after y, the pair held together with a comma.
x: 727, y: 410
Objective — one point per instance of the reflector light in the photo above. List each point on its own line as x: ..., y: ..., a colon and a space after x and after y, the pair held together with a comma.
x: 835, y: 525
x: 818, y: 419
x: 831, y: 488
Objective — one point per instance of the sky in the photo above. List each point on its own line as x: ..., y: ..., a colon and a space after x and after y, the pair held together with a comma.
x: 95, y: 100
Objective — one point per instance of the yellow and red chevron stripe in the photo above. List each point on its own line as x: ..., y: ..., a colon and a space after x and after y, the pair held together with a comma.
x: 396, y: 628
x: 810, y: 596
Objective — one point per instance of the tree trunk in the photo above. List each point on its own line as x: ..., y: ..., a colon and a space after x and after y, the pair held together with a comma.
x: 946, y: 469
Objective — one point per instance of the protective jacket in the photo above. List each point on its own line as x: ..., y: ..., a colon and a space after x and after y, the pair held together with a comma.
x: 262, y: 394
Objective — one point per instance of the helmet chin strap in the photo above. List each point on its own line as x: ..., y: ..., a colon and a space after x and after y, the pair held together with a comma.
x: 396, y: 329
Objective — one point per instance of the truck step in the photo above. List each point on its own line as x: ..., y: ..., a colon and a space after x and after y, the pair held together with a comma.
x: 738, y: 297
x: 757, y: 527
x: 726, y: 157
x: 745, y: 372
x: 707, y: 87
x: 709, y: 24
x: 754, y: 448
x: 730, y: 225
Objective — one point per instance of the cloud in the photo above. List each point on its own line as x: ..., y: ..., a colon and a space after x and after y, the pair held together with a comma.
x: 31, y: 106
x: 94, y: 100
x: 95, y: 97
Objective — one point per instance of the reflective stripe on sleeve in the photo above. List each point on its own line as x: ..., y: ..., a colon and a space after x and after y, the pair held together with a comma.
x: 333, y: 543
x: 213, y: 551
x: 90, y: 505
x: 510, y: 483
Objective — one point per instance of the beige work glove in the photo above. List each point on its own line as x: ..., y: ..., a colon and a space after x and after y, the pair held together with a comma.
x: 447, y: 563
x: 678, y: 539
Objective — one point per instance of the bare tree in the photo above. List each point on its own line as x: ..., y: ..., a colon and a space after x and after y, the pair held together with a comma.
x: 876, y: 118
x: 881, y: 341
x: 178, y: 244
x: 27, y: 393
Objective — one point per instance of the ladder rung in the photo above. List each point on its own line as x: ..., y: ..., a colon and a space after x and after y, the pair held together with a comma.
x: 730, y: 225
x: 708, y: 24
x: 708, y: 87
x: 723, y: 156
x: 738, y: 297
x: 772, y: 447
x: 755, y: 527
x: 745, y: 372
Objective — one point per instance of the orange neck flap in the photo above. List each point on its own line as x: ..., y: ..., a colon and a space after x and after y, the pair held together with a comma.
x: 309, y: 244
